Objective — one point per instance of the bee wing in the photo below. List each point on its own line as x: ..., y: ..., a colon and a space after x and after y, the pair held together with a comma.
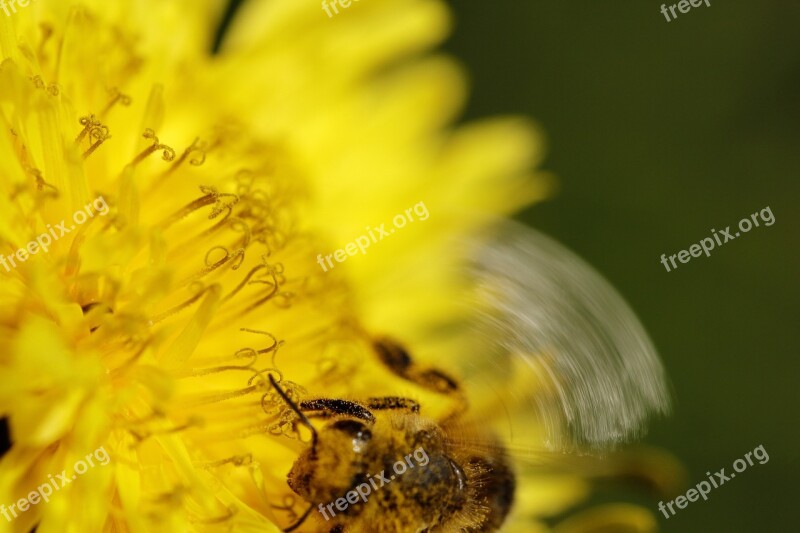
x: 572, y: 358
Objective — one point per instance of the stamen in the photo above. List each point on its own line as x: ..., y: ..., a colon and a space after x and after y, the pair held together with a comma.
x: 21, y: 149
x: 241, y: 353
x: 238, y: 223
x: 268, y: 371
x: 197, y: 147
x: 204, y: 399
x: 244, y: 352
x: 229, y: 514
x: 185, y: 211
x: 246, y: 279
x: 180, y: 307
x: 283, y: 429
x: 38, y: 82
x: 41, y: 184
x: 116, y: 97
x: 193, y: 421
x: 212, y: 196
x: 220, y: 205
x: 221, y: 261
x: 218, y: 225
x: 286, y: 426
x: 285, y: 301
x: 236, y: 460
x: 288, y: 506
x: 47, y: 32
x: 88, y: 122
x: 100, y: 135
x: 275, y: 342
x: 287, y: 411
x: 237, y: 257
x: 244, y: 181
x: 168, y: 153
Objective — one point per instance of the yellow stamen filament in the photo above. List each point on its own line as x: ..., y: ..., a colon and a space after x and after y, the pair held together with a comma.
x: 229, y: 513
x: 116, y: 97
x: 288, y: 503
x: 47, y: 32
x: 99, y: 135
x: 178, y: 308
x: 241, y: 353
x: 236, y: 460
x: 237, y: 257
x: 41, y: 184
x: 88, y: 122
x: 218, y: 397
x: 247, y: 279
x: 190, y: 423
x: 212, y: 196
x: 168, y: 153
x: 197, y: 147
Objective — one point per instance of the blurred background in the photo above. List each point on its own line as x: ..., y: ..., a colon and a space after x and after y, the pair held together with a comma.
x: 658, y: 132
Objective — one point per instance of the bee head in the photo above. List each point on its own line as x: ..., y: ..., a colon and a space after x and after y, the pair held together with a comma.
x: 333, y: 466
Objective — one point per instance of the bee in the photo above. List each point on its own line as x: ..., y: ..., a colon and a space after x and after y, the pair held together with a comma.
x: 560, y: 350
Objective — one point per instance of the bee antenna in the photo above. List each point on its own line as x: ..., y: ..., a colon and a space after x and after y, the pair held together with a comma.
x: 299, y: 520
x: 303, y: 418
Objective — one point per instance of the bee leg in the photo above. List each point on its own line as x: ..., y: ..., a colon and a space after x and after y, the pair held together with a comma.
x: 395, y: 357
x: 393, y: 402
x: 327, y: 407
x: 337, y: 529
x: 397, y: 360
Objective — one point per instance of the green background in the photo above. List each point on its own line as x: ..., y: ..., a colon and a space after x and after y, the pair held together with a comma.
x: 659, y: 132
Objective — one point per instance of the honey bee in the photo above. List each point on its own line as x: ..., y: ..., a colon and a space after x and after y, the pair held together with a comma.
x: 566, y: 351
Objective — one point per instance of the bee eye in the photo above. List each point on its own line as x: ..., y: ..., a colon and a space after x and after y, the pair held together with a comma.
x: 353, y: 428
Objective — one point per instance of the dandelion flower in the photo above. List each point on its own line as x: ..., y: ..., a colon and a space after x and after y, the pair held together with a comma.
x: 206, y: 186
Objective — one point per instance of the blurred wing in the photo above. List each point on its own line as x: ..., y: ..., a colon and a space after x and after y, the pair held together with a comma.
x: 566, y: 346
